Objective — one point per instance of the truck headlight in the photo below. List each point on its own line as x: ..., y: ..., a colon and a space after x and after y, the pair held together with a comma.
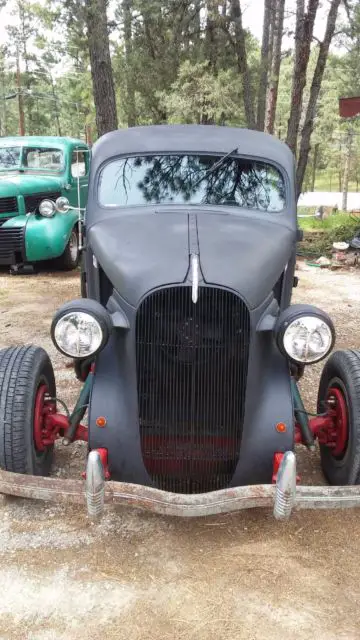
x: 47, y: 208
x: 81, y: 328
x: 305, y: 334
x: 62, y: 204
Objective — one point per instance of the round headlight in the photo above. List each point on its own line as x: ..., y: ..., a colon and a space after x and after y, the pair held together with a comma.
x: 81, y: 328
x: 78, y: 334
x: 307, y: 339
x: 47, y: 208
x: 62, y: 204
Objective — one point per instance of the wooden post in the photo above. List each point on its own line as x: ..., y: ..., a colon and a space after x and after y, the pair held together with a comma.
x: 347, y: 168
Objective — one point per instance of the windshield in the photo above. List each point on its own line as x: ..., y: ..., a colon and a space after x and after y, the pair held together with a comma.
x: 31, y: 158
x: 10, y: 157
x: 192, y: 179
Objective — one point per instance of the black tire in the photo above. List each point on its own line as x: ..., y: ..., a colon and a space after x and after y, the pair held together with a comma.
x: 342, y: 371
x: 69, y: 260
x: 22, y: 371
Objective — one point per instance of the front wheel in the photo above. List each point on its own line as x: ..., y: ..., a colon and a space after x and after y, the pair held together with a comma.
x: 26, y: 380
x: 69, y: 260
x: 340, y: 387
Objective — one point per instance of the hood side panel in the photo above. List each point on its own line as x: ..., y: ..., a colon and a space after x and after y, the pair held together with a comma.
x: 242, y: 254
x: 141, y: 252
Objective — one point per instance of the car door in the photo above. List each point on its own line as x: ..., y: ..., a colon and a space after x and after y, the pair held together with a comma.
x: 79, y: 171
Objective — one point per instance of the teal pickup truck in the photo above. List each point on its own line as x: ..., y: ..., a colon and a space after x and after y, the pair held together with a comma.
x: 34, y: 170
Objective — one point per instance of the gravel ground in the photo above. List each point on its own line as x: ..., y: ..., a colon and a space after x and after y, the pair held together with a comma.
x: 137, y: 575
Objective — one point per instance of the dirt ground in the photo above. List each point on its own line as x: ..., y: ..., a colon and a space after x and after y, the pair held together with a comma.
x: 141, y: 576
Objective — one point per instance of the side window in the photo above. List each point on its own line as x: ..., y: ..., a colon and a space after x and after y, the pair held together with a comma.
x: 79, y: 164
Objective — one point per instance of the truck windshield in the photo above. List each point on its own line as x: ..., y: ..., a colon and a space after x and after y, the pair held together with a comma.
x: 189, y: 179
x: 31, y: 158
x: 10, y: 157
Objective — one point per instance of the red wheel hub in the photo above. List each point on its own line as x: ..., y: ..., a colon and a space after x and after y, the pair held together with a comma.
x: 43, y: 437
x: 337, y: 437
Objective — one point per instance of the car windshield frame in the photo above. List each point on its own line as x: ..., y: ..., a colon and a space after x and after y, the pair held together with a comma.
x: 23, y: 168
x: 217, y: 156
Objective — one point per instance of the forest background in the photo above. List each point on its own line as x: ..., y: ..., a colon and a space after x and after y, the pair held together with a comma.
x: 84, y: 67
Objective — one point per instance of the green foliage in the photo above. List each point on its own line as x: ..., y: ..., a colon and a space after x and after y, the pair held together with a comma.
x: 334, y: 221
x: 200, y: 97
x: 321, y: 234
x: 176, y: 62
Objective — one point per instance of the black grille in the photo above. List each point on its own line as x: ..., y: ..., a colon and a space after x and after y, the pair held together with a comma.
x: 8, y: 205
x: 11, y: 243
x: 192, y: 364
x: 32, y: 202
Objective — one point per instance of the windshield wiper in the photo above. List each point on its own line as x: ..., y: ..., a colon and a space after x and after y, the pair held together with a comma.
x: 215, y: 166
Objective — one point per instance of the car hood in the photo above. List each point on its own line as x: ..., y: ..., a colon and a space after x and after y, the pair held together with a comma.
x: 14, y: 184
x: 140, y: 252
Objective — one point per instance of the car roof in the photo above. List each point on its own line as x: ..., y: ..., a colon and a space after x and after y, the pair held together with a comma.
x: 192, y: 139
x: 50, y: 141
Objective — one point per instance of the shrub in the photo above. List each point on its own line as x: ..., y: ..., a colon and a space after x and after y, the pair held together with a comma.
x: 336, y: 228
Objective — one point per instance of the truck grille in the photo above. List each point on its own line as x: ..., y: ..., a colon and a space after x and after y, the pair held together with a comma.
x: 11, y: 243
x: 32, y: 202
x: 192, y: 364
x: 8, y: 205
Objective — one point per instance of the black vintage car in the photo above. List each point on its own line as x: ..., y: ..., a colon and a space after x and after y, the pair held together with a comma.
x: 186, y: 342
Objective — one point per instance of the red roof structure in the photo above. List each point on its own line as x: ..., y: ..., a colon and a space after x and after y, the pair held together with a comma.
x: 349, y: 107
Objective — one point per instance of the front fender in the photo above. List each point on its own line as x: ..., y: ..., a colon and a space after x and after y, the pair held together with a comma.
x: 46, y: 238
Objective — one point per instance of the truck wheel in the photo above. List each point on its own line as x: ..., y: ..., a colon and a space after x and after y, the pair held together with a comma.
x: 340, y: 382
x: 26, y: 375
x: 69, y: 260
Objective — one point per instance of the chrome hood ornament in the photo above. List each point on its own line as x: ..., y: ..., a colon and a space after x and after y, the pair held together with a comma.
x: 195, y: 268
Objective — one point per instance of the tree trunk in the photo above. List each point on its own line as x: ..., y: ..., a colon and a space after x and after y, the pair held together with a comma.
x: 29, y: 103
x: 240, y: 50
x: 347, y: 169
x: 4, y: 109
x: 264, y: 65
x: 339, y: 165
x: 210, y: 34
x: 20, y: 97
x: 101, y: 71
x: 275, y: 67
x: 314, y: 166
x: 130, y: 87
x: 303, y: 37
x: 195, y: 32
x: 314, y: 94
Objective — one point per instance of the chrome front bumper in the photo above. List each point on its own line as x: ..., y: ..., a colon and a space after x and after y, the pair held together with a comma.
x: 282, y: 497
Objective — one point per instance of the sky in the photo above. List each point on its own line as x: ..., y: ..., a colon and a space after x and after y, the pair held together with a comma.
x: 253, y: 16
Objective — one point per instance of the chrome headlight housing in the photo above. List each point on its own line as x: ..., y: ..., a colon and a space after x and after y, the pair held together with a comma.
x: 62, y: 204
x: 305, y: 334
x: 47, y: 208
x: 81, y: 328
